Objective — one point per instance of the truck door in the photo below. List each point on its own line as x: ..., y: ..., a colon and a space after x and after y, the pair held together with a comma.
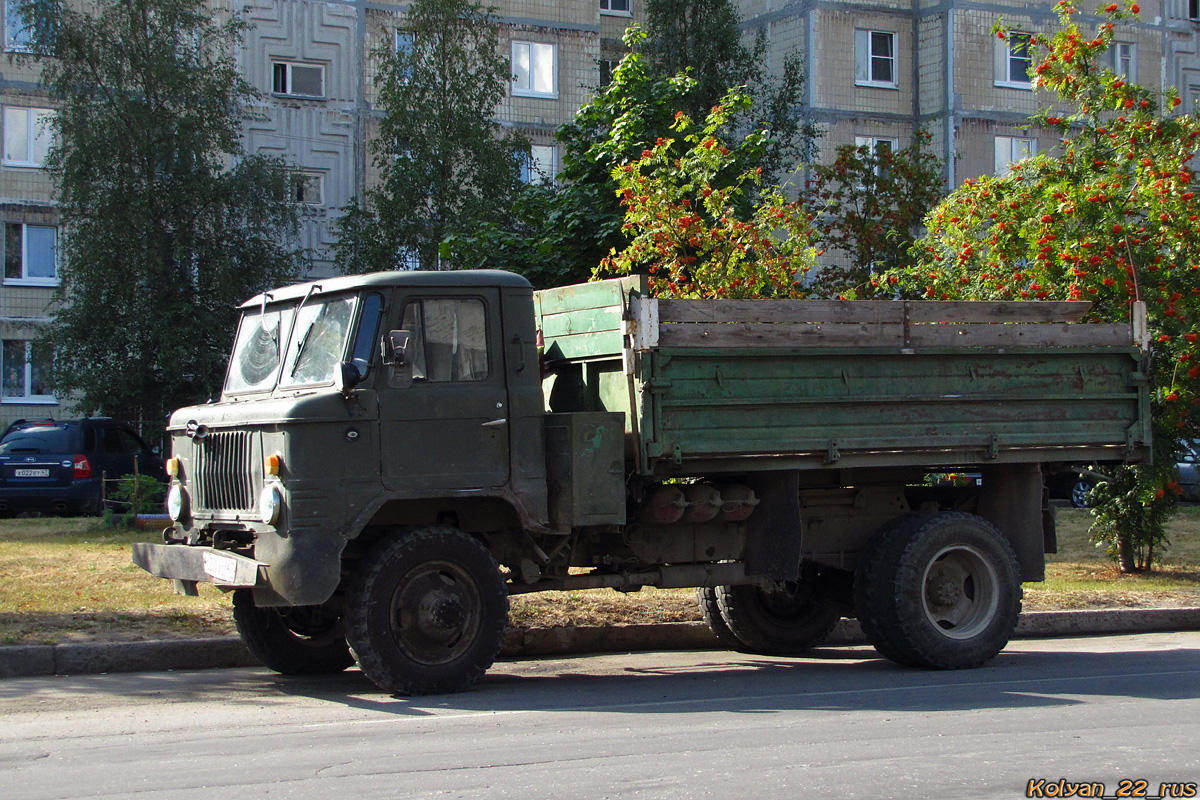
x: 444, y: 420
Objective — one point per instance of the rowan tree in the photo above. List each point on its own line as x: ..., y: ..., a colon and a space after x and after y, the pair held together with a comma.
x: 689, y: 228
x: 1109, y: 216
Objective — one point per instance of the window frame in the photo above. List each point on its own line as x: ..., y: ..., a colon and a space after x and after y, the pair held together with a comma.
x: 289, y: 66
x: 26, y: 279
x: 531, y: 170
x: 1129, y: 74
x: 865, y: 59
x: 34, y: 133
x: 12, y: 44
x: 1006, y: 55
x: 528, y: 90
x: 607, y: 10
x: 304, y: 177
x: 873, y: 142
x: 1000, y: 170
x: 27, y: 398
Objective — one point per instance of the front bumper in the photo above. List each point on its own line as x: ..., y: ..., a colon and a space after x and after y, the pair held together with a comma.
x: 200, y: 564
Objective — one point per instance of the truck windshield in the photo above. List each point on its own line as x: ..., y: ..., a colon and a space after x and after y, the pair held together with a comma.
x: 258, y: 351
x: 263, y: 355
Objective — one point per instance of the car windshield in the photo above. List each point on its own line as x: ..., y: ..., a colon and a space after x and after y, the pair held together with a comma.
x: 37, y: 439
x: 280, y: 345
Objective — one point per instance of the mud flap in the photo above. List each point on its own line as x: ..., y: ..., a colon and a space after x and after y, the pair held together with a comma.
x: 774, y: 532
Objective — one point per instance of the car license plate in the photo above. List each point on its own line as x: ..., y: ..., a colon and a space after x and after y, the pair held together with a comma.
x: 220, y: 568
x: 31, y: 473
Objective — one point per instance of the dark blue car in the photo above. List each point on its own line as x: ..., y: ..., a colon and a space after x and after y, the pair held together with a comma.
x: 56, y: 466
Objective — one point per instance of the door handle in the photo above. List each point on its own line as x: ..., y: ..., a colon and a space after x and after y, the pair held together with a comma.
x: 496, y: 423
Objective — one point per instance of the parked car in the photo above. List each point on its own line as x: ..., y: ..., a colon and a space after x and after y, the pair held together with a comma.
x: 1072, y: 486
x: 1188, y: 469
x: 56, y: 466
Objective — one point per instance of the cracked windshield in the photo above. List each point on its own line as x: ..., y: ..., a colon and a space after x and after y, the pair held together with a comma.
x: 262, y: 350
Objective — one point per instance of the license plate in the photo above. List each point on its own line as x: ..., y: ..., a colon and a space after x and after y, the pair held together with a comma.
x: 31, y: 473
x: 220, y: 568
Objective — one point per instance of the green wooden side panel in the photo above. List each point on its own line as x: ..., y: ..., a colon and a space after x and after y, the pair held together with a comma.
x: 949, y: 408
x: 584, y: 321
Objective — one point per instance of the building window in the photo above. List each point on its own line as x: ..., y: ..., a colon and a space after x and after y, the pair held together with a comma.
x: 1194, y: 9
x: 615, y: 7
x: 27, y: 134
x: 878, y: 146
x: 607, y: 67
x: 26, y: 368
x: 30, y: 254
x: 875, y: 58
x: 1014, y: 61
x: 298, y: 80
x: 533, y: 69
x: 1125, y: 61
x: 540, y: 164
x: 404, y: 52
x: 17, y: 31
x: 1010, y: 150
x: 307, y: 188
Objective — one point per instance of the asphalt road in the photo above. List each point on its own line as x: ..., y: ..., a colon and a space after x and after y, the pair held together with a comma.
x: 671, y: 725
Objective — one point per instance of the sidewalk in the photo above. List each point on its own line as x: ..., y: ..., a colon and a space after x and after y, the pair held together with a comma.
x: 228, y: 651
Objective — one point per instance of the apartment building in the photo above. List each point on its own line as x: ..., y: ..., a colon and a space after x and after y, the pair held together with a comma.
x: 314, y: 63
x: 879, y: 70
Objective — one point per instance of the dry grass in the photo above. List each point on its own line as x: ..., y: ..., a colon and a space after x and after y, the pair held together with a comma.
x: 67, y: 580
x: 72, y: 580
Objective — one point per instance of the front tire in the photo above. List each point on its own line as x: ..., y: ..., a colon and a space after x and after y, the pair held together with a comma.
x: 941, y: 591
x: 296, y: 640
x: 427, y: 612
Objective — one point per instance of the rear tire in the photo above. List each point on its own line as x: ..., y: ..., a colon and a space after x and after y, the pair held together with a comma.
x: 427, y: 612
x: 784, y: 620
x: 941, y: 591
x: 706, y: 598
x: 295, y: 640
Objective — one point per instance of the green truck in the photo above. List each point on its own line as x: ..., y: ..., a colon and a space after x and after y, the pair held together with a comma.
x: 394, y: 455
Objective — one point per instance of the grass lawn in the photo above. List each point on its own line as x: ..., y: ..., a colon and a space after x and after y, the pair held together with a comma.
x: 64, y: 580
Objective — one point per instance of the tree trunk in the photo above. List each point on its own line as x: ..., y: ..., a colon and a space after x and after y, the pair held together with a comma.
x: 1126, y: 557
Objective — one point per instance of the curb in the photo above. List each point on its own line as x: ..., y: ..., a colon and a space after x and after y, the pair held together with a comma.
x: 83, y: 658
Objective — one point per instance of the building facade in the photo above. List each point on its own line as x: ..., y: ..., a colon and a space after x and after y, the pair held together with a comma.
x: 877, y: 72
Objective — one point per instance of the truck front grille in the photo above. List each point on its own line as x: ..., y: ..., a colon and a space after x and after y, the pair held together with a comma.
x: 222, y: 471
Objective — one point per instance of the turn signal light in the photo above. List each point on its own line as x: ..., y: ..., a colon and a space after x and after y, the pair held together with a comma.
x: 173, y: 467
x: 272, y: 464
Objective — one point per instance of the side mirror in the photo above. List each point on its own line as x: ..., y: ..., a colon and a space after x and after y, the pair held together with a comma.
x: 351, y: 377
x: 396, y: 348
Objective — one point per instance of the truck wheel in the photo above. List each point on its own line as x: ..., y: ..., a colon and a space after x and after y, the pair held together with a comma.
x: 297, y: 640
x: 940, y: 591
x: 783, y: 620
x: 427, y: 612
x: 706, y: 598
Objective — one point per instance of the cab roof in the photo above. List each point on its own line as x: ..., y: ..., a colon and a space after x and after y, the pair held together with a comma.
x: 453, y: 278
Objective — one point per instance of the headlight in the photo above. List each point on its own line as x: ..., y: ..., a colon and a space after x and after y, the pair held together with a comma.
x: 270, y: 503
x: 177, y: 502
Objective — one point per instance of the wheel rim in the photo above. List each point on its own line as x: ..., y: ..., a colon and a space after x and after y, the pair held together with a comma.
x: 436, y: 613
x: 1079, y: 494
x: 960, y: 592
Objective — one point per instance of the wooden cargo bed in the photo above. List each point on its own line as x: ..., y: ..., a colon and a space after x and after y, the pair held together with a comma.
x: 720, y: 386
